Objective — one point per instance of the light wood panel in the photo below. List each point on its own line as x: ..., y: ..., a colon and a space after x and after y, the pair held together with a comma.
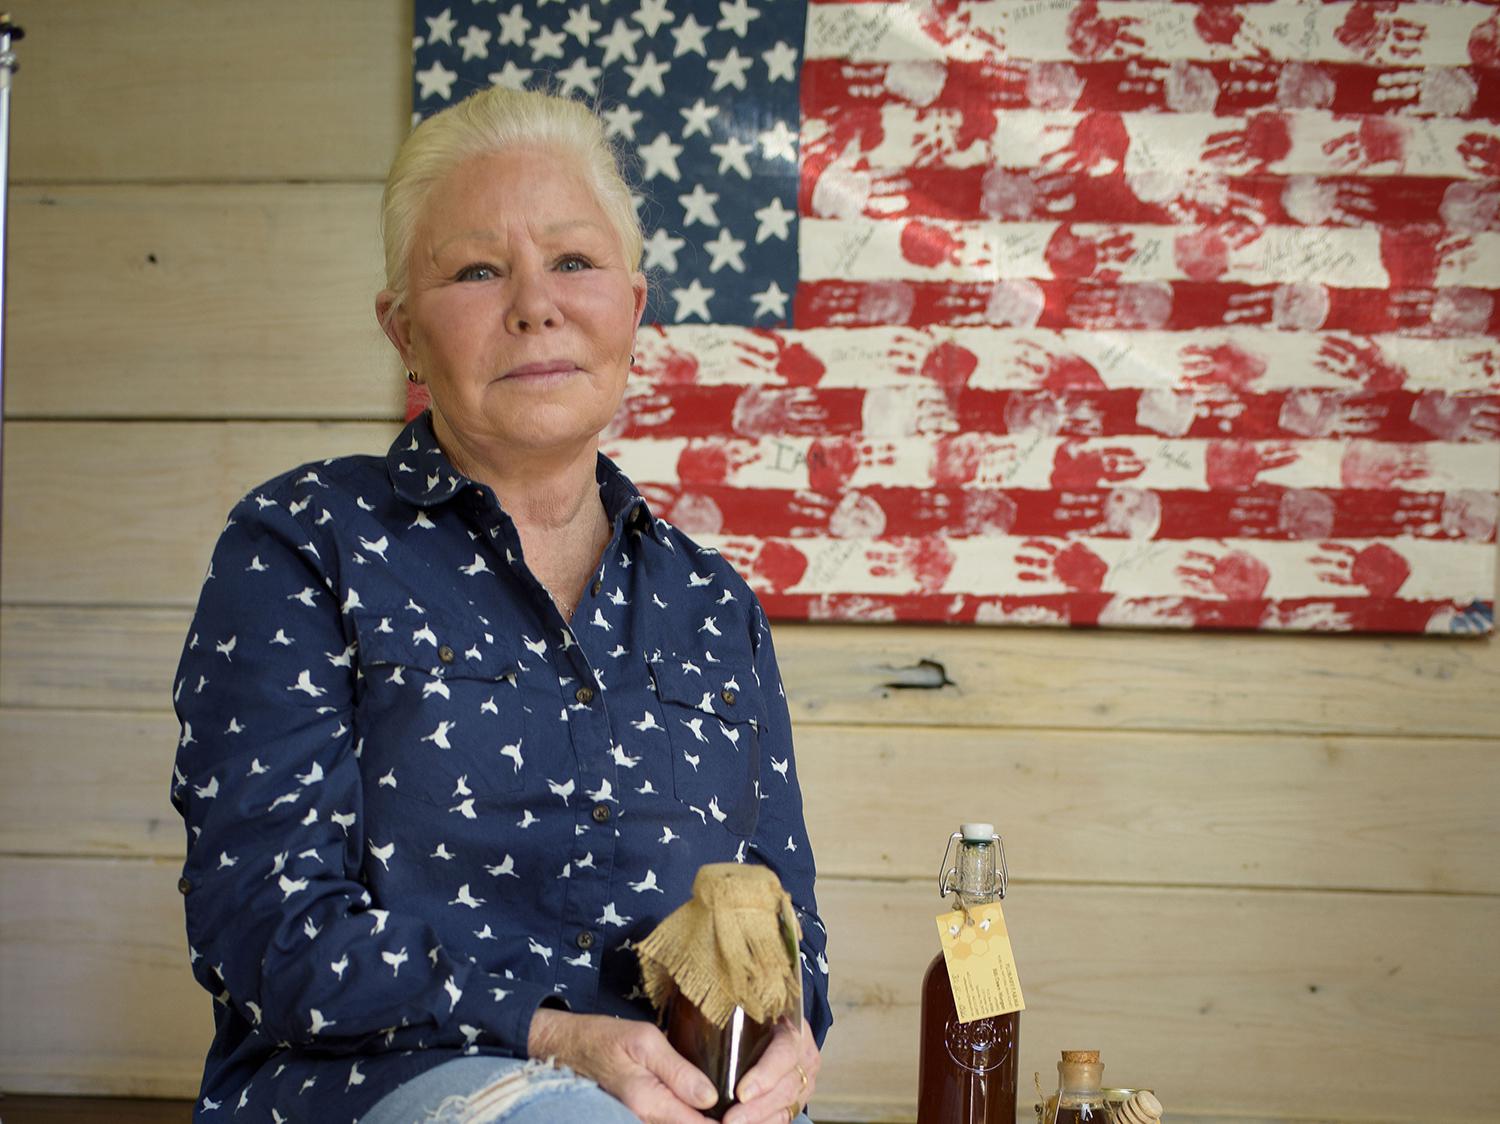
x: 178, y: 301
x: 1173, y: 809
x: 184, y: 90
x: 1372, y: 1006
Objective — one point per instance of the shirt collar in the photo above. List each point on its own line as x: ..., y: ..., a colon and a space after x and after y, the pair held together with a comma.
x: 422, y: 475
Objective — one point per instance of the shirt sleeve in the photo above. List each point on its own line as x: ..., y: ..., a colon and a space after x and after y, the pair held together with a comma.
x: 780, y: 840
x: 268, y: 781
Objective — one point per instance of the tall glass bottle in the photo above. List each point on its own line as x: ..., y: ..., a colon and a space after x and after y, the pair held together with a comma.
x: 968, y: 1070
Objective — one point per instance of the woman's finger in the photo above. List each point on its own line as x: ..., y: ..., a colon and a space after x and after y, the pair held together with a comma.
x: 680, y: 1077
x: 781, y: 1080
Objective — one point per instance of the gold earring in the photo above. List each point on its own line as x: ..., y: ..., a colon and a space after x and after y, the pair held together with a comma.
x: 413, y: 377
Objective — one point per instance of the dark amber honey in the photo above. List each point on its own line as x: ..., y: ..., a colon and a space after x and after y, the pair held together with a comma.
x: 968, y: 1070
x: 725, y: 1054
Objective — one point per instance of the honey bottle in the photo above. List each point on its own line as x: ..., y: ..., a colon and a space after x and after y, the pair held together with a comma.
x: 968, y: 1069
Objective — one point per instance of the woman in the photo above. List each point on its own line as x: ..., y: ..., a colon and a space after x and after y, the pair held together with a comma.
x: 459, y: 725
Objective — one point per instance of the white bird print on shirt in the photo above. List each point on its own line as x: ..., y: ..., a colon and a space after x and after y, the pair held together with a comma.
x: 692, y: 759
x: 476, y: 567
x: 604, y: 792
x: 441, y: 852
x: 585, y: 960
x: 514, y: 753
x: 617, y: 597
x: 395, y: 960
x: 344, y: 658
x: 667, y: 834
x: 306, y: 686
x: 647, y: 789
x: 290, y: 886
x: 540, y: 949
x: 306, y: 596
x: 339, y: 965
x: 790, y: 844
x: 713, y: 810
x: 454, y: 992
x: 527, y: 819
x: 389, y: 780
x: 187, y: 738
x: 600, y: 622
x: 462, y: 788
x: 780, y: 767
x: 621, y: 758
x: 424, y: 633
x: 208, y: 791
x: 725, y: 598
x: 344, y: 819
x: 647, y: 722
x: 485, y: 934
x: 564, y: 790
x: 376, y: 547
x: 488, y: 706
x: 611, y: 917
x: 282, y: 638
x: 617, y: 651
x: 536, y: 647
x: 646, y: 883
x: 732, y: 734
x: 226, y: 647
x: 689, y: 665
x: 466, y: 898
x: 696, y: 726
x: 355, y: 1077
x: 694, y: 581
x: 439, y: 737
x: 465, y: 809
x: 710, y: 626
x: 658, y: 602
x: 297, y: 507
x: 256, y: 566
x: 351, y: 602
x: 508, y: 866
x: 226, y: 860
x: 436, y: 687
x: 312, y: 776
x: 381, y: 916
x: 234, y: 726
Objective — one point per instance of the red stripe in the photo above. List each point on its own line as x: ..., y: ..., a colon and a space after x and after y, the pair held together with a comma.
x: 1172, y: 306
x: 1070, y: 410
x: 1142, y: 85
x: 1365, y: 614
x: 1264, y: 512
x: 1037, y: 195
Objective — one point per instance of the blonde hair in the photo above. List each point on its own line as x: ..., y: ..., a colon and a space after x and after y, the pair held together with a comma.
x: 491, y: 121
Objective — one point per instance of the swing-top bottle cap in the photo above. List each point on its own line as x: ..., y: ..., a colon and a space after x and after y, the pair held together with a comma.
x: 977, y: 832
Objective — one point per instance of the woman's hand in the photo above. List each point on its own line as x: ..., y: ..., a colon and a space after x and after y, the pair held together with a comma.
x: 783, y: 1079
x: 631, y: 1060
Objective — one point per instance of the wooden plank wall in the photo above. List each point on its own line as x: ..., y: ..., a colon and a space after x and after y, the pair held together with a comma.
x: 1258, y: 872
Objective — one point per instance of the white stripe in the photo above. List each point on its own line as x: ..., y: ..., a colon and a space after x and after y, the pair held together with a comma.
x: 1286, y: 31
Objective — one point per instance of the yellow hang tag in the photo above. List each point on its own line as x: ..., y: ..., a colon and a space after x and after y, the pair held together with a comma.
x: 981, y: 965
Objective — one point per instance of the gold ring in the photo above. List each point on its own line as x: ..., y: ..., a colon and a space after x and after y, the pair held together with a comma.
x: 802, y: 1073
x: 791, y: 1112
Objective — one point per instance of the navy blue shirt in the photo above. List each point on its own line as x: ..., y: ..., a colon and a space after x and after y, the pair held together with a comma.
x: 419, y: 803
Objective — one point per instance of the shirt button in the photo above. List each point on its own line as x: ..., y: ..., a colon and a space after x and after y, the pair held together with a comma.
x: 585, y: 695
x: 445, y: 654
x: 601, y: 813
x: 728, y: 696
x: 596, y: 587
x: 184, y: 885
x: 585, y: 940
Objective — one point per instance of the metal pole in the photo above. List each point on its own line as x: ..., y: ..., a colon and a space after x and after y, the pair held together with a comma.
x: 9, y: 34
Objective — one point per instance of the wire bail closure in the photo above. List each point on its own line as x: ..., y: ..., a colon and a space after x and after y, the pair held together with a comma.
x: 948, y: 873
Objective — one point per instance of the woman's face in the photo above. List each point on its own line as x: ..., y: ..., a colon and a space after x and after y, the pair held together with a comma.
x: 521, y: 308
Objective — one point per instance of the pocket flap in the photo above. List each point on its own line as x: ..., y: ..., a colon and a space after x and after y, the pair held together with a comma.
x: 726, y: 689
x: 435, y: 644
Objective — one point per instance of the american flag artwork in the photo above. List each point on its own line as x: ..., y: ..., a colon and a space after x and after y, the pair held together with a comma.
x: 1142, y: 314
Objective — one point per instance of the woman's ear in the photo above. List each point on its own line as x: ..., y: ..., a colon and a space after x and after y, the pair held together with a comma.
x: 390, y: 310
x: 638, y: 288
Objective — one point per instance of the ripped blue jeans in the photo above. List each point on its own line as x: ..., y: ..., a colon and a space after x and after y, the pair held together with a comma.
x: 487, y: 1090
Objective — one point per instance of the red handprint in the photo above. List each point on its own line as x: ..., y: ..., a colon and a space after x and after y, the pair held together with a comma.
x: 1016, y: 302
x: 1095, y: 255
x: 1162, y: 409
x: 1218, y: 26
x: 1376, y: 567
x: 695, y: 514
x: 831, y: 462
x: 768, y: 352
x: 1235, y: 576
x: 1058, y: 373
x: 1053, y: 85
x: 857, y: 516
x: 1314, y: 412
x: 1017, y: 194
x: 1457, y: 418
x: 927, y: 244
x: 769, y: 411
x: 1481, y: 153
x: 927, y: 561
x: 1301, y: 306
x: 1377, y: 140
x: 1143, y: 304
x: 1134, y: 513
x: 1226, y: 365
x: 658, y: 361
x: 1484, y: 42
x: 1202, y: 255
x: 1470, y: 514
x: 1263, y: 139
x: 956, y: 459
x: 1098, y: 143
x: 1080, y: 465
x: 1303, y: 513
x: 1305, y: 85
x: 1092, y: 37
x: 1232, y: 464
x: 1375, y: 464
x: 1362, y: 363
x: 1315, y: 201
x: 711, y: 462
x: 1463, y: 311
x: 1370, y: 28
x: 774, y: 565
x: 1075, y: 565
x: 1470, y: 206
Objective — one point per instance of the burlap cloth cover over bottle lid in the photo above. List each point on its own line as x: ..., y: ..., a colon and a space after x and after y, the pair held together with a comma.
x: 733, y: 943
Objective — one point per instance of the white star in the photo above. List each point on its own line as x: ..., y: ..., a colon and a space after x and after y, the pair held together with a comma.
x: 779, y: 141
x: 651, y: 15
x: 513, y: 27
x: 476, y: 43
x: 732, y: 155
x: 775, y: 221
x: 689, y: 37
x: 661, y: 250
x: 620, y: 43
x: 436, y: 79
x: 620, y: 121
x: 511, y: 76
x: 726, y: 250
x: 581, y: 25
x: 440, y: 27
x: 647, y: 75
x: 692, y: 301
x: 579, y: 75
x: 697, y: 116
x: 547, y: 44
x: 770, y: 301
x: 781, y: 62
x: 698, y: 206
x: 660, y: 158
x: 730, y: 70
x: 736, y: 17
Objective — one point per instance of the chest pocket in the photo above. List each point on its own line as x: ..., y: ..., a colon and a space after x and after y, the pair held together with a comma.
x: 713, y: 715
x: 442, y: 709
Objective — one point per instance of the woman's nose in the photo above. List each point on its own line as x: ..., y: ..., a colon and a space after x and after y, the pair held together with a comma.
x: 532, y: 308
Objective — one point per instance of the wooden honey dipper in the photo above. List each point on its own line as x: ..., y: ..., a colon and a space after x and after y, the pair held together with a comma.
x: 1141, y: 1108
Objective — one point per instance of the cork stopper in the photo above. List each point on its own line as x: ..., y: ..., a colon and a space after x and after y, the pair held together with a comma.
x: 1081, y: 1057
x: 1081, y: 1071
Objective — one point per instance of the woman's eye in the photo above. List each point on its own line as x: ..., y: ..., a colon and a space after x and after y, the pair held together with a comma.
x: 573, y: 263
x: 476, y: 273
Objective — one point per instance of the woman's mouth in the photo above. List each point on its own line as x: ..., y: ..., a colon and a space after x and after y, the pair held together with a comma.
x: 543, y: 369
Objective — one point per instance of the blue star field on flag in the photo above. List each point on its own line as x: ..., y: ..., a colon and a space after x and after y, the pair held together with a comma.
x: 702, y: 97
